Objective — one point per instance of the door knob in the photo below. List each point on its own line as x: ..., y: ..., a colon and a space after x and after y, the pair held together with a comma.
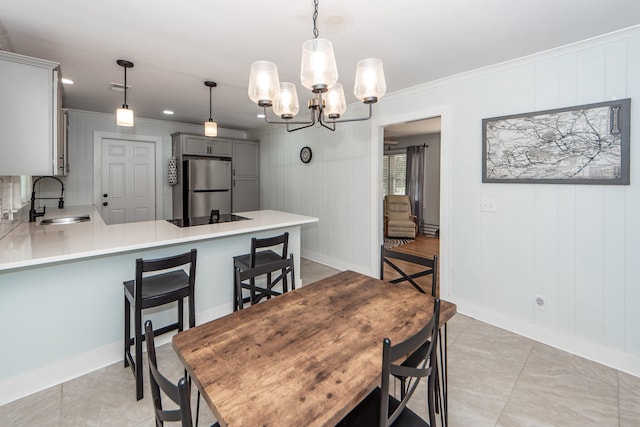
x: 105, y: 195
x: 105, y: 203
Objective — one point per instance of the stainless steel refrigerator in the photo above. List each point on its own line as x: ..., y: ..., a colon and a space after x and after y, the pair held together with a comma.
x: 206, y: 185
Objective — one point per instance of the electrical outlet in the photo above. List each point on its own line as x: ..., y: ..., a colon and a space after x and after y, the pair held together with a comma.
x: 539, y: 302
x: 488, y: 205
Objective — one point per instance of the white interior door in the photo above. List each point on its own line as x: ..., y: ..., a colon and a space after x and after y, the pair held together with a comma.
x: 128, y: 181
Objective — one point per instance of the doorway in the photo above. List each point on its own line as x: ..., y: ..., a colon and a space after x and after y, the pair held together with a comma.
x: 378, y: 133
x: 418, y: 138
x: 126, y: 170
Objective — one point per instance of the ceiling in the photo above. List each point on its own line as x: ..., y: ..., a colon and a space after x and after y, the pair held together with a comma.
x: 413, y: 128
x: 176, y: 46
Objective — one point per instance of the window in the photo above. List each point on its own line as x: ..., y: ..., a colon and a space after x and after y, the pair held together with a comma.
x: 394, y: 173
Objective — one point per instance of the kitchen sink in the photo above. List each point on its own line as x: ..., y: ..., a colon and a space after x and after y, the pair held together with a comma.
x: 65, y: 220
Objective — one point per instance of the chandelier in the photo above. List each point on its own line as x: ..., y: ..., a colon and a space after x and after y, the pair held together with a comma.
x: 318, y: 73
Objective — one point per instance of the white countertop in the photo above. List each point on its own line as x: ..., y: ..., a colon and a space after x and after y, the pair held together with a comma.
x: 31, y: 244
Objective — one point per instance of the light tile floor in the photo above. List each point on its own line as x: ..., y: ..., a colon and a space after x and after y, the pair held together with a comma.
x: 496, y: 378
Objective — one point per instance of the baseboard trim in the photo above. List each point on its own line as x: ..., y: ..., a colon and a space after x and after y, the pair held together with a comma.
x: 334, y: 262
x: 595, y: 352
x: 67, y: 369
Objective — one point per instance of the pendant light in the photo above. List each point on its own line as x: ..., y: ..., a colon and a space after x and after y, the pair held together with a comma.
x: 319, y: 74
x: 210, y: 127
x: 124, y: 116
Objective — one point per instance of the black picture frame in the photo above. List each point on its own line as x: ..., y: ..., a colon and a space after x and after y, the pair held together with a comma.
x: 584, y: 144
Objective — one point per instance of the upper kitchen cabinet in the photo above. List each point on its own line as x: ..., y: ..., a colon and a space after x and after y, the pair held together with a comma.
x: 185, y: 144
x: 31, y: 118
x: 246, y: 176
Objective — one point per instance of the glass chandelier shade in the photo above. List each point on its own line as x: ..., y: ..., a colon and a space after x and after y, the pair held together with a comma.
x: 370, y: 83
x: 264, y: 83
x: 286, y: 103
x: 318, y: 70
x: 335, y: 103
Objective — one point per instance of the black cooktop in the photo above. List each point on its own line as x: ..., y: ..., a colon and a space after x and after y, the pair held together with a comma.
x: 204, y: 220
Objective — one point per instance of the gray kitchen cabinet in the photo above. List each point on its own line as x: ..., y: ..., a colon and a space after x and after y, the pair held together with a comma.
x: 33, y: 126
x: 246, y: 176
x: 185, y: 144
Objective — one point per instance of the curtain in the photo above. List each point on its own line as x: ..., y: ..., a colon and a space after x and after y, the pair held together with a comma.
x: 415, y: 179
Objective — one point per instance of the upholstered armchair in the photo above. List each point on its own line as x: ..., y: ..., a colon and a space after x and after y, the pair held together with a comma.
x: 398, y: 219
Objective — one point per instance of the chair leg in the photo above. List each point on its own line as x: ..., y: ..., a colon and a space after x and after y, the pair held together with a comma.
x: 138, y: 361
x: 268, y: 284
x: 236, y: 304
x: 180, y: 315
x: 198, y: 409
x: 252, y: 294
x: 192, y: 311
x: 127, y: 331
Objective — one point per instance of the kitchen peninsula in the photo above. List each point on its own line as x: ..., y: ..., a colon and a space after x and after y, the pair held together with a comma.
x: 61, y: 295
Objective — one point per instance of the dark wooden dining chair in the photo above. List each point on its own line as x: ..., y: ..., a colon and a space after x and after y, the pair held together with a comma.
x: 146, y: 291
x: 427, y: 266
x: 179, y: 393
x: 246, y: 279
x: 380, y: 408
x: 257, y: 257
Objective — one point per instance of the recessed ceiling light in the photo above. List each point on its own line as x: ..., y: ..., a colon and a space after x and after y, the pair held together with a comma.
x: 67, y: 81
x: 167, y: 112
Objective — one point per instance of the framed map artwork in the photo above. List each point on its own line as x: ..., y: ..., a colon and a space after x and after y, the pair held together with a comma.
x: 585, y: 144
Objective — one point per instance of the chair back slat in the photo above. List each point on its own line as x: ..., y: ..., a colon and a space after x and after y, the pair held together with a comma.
x: 168, y: 262
x: 430, y: 268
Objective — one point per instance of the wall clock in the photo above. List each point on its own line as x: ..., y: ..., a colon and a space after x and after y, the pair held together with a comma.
x: 305, y: 154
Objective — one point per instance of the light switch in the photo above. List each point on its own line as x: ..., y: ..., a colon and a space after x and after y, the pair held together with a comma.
x: 488, y: 205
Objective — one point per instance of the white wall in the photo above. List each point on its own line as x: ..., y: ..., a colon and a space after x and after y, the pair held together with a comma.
x: 578, y: 245
x: 83, y: 124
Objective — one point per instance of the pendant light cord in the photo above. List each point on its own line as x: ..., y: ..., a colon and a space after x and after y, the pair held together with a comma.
x: 315, y: 18
x: 125, y: 88
x: 210, y: 104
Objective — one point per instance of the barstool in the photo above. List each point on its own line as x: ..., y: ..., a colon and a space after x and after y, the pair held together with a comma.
x: 259, y: 258
x: 147, y: 291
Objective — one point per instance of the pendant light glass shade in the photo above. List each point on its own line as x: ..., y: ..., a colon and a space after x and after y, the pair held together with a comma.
x: 124, y: 117
x: 370, y: 84
x: 286, y: 104
x: 335, y: 103
x: 318, y: 70
x: 210, y: 128
x: 264, y: 83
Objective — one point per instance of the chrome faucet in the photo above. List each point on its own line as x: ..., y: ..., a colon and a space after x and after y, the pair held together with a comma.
x: 33, y: 214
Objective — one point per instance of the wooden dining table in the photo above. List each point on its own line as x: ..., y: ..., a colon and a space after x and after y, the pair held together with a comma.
x: 305, y: 358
